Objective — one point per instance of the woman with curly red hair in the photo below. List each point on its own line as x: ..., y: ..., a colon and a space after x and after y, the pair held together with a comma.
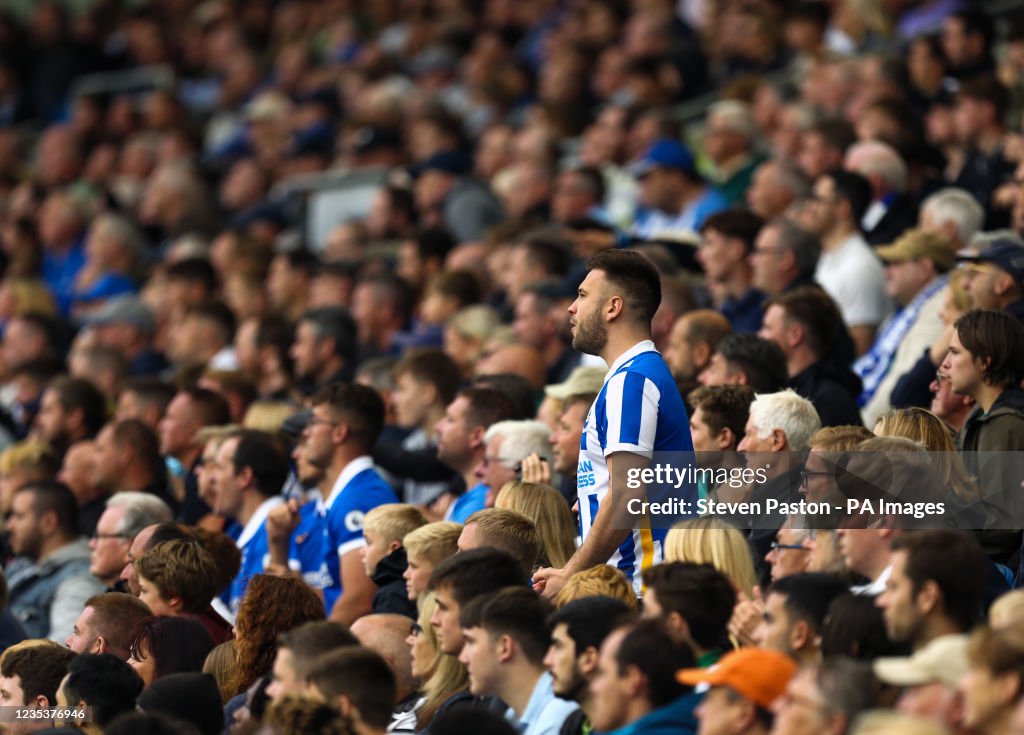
x: 271, y: 606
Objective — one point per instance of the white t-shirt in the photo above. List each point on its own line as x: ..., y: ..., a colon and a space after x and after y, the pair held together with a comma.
x: 853, y: 276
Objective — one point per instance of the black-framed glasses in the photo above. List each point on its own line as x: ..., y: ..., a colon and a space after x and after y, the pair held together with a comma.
x: 806, y: 475
x: 415, y: 629
x: 96, y: 535
x: 776, y: 546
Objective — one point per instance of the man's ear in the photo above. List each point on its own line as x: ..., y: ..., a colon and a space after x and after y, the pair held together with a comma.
x: 701, y: 353
x: 929, y: 597
x: 587, y: 661
x: 394, y: 546
x: 476, y: 437
x: 800, y: 635
x: 99, y: 645
x: 726, y: 438
x: 613, y: 309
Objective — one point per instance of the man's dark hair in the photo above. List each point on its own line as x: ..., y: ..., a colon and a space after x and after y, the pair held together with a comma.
x: 396, y: 291
x: 361, y: 408
x: 194, y: 270
x: 518, y: 612
x: 650, y: 649
x: 46, y: 327
x: 114, y: 614
x: 997, y: 337
x: 56, y: 498
x: 171, y: 531
x: 515, y: 389
x: 486, y: 406
x: 477, y: 572
x: 986, y: 88
x: 210, y: 408
x: 836, y: 132
x: 259, y: 451
x: 150, y: 391
x: 301, y: 259
x: 977, y: 21
x: 105, y: 683
x: 954, y: 562
x: 40, y: 668
x: 149, y: 723
x: 434, y: 243
x: 817, y: 313
x: 144, y: 443
x: 462, y: 286
x: 724, y: 407
x: 362, y: 676
x: 740, y: 224
x: 589, y: 620
x: 216, y: 313
x: 761, y: 360
x: 853, y: 188
x: 702, y: 595
x: 311, y: 639
x: 809, y: 595
x: 635, y: 276
x: 336, y: 324
x: 434, y: 367
x: 548, y: 251
x: 81, y: 395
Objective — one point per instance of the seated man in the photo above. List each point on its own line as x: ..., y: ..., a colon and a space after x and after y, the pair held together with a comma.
x: 106, y: 684
x: 29, y: 678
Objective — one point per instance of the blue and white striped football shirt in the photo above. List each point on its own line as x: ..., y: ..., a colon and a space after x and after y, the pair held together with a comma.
x: 639, y: 410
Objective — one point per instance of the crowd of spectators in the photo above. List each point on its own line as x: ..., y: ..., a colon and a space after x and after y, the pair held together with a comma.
x: 283, y: 451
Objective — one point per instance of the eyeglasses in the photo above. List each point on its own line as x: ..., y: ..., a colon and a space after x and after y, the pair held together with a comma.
x: 97, y: 536
x: 806, y: 475
x: 415, y: 629
x: 317, y: 420
x: 776, y: 546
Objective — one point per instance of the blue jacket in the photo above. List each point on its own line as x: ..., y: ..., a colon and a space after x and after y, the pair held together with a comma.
x: 676, y: 718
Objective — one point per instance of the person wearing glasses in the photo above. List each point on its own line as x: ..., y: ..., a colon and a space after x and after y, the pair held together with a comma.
x: 124, y: 516
x: 789, y: 554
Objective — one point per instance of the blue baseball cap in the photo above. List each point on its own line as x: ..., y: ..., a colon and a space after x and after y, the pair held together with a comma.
x: 664, y: 153
x: 1005, y: 253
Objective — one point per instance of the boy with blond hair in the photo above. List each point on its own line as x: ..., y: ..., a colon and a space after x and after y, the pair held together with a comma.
x: 384, y: 556
x: 425, y: 548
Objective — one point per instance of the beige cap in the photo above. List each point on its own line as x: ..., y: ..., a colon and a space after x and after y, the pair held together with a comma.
x: 914, y: 244
x: 944, y: 659
x: 581, y: 380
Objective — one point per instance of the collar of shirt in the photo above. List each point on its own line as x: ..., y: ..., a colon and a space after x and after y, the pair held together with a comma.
x: 638, y: 349
x: 258, y: 519
x: 353, y: 468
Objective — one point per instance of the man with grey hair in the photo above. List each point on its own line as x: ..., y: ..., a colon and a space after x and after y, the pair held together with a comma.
x: 785, y: 256
x: 125, y: 515
x: 891, y: 211
x: 775, y: 185
x: 777, y: 434
x: 729, y: 143
x: 507, y: 444
x: 952, y: 213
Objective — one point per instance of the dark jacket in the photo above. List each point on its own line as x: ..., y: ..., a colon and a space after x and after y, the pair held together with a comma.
x: 991, y: 444
x: 392, y: 596
x: 898, y: 218
x: 832, y: 390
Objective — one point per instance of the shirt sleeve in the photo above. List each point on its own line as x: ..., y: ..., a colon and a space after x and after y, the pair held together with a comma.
x: 631, y: 408
x: 346, y: 527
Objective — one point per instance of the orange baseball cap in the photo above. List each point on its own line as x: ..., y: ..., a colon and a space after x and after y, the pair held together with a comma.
x: 758, y: 674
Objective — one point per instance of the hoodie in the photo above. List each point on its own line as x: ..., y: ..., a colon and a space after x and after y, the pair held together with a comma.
x: 832, y: 390
x: 675, y: 718
x: 391, y: 595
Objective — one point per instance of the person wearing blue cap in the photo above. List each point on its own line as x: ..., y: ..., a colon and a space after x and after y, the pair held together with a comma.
x: 675, y: 198
x: 995, y: 277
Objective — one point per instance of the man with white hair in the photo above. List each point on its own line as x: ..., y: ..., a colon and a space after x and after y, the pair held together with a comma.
x: 729, y: 137
x: 952, y: 213
x: 891, y: 211
x: 778, y: 431
x: 125, y: 515
x: 507, y: 444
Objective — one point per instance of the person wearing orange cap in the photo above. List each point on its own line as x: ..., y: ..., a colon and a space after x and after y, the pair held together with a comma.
x: 743, y: 686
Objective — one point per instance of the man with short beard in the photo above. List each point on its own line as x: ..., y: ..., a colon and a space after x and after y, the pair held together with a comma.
x: 638, y: 411
x: 577, y: 631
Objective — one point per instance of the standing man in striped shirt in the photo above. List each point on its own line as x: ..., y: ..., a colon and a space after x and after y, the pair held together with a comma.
x: 638, y: 411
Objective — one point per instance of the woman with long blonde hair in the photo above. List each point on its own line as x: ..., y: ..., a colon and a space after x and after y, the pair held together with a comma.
x: 443, y: 677
x: 549, y: 512
x: 710, y: 540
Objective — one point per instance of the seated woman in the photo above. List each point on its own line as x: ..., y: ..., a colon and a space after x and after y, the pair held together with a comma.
x: 549, y: 512
x: 162, y: 645
x: 443, y: 679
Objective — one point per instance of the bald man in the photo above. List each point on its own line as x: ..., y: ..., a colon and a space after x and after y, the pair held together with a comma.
x: 691, y: 343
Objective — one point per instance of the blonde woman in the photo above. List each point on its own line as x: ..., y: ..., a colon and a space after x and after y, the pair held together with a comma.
x: 710, y: 540
x: 467, y: 332
x: 444, y: 680
x: 931, y: 432
x: 601, y: 580
x: 549, y: 512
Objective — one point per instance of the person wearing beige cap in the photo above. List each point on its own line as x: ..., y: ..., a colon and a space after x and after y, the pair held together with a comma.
x: 929, y: 679
x: 743, y: 686
x: 915, y: 274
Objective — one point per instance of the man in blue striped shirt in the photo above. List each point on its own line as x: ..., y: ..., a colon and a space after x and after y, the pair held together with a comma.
x: 638, y: 411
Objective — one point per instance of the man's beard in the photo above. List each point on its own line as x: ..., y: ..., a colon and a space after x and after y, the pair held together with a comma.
x: 591, y: 335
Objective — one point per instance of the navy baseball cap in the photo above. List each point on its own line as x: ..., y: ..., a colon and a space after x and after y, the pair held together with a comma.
x: 1005, y: 253
x: 455, y: 163
x: 664, y: 153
